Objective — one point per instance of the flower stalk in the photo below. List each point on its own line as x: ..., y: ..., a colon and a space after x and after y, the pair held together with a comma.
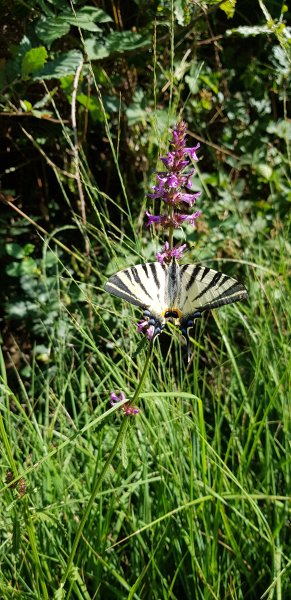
x: 100, y: 478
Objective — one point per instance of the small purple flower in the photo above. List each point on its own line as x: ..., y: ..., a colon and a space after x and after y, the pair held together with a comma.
x: 156, y: 219
x: 192, y: 152
x: 189, y: 218
x: 127, y: 408
x: 168, y: 254
x: 130, y: 410
x: 168, y: 160
x: 174, y: 220
x: 190, y: 198
x: 114, y: 398
x: 144, y: 326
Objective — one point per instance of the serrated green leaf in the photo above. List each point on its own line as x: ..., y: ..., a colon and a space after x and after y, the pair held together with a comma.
x: 85, y: 18
x: 34, y: 59
x: 125, y: 41
x: 50, y: 29
x: 96, y: 49
x: 65, y: 64
x: 87, y: 13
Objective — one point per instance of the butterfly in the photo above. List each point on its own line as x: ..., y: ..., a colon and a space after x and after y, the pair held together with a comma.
x: 179, y: 293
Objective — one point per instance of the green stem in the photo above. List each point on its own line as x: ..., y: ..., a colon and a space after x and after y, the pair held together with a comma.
x: 40, y: 579
x: 171, y: 231
x: 99, y: 480
x: 143, y: 375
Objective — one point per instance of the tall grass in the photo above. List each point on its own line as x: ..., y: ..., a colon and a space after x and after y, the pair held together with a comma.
x: 194, y: 504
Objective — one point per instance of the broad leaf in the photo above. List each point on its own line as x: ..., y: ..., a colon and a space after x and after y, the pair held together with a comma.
x: 34, y: 59
x: 15, y: 250
x: 50, y: 29
x: 124, y: 41
x: 85, y: 18
x: 96, y: 49
x: 65, y: 64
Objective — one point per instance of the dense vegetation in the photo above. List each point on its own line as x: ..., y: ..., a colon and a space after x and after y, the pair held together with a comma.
x: 189, y: 498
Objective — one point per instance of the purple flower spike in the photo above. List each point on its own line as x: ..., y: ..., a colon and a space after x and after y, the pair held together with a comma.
x: 170, y: 185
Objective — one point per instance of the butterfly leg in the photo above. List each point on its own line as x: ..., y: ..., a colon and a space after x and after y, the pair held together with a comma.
x: 157, y: 325
x: 187, y: 323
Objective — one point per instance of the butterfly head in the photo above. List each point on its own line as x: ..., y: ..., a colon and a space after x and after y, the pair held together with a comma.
x: 172, y: 313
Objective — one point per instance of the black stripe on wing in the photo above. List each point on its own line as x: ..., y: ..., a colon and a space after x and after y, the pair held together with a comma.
x: 138, y: 280
x: 211, y: 284
x: 117, y: 285
x: 153, y: 269
x: 234, y: 293
x: 193, y: 276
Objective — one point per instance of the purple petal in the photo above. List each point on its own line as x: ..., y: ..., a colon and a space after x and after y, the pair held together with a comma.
x: 191, y: 218
x: 115, y: 398
x: 192, y: 152
x: 141, y: 326
x: 150, y: 332
x: 168, y: 160
x: 173, y: 181
x: 168, y: 253
x: 189, y: 198
x: 153, y: 218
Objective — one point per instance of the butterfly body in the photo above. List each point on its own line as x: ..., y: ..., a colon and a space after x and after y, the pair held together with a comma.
x: 174, y: 292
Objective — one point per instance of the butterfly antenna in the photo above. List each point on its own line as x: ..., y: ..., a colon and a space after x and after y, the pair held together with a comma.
x: 188, y: 350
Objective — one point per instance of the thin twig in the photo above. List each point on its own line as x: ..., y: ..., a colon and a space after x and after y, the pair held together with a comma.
x: 47, y: 159
x: 78, y: 177
x: 76, y: 142
x: 30, y: 114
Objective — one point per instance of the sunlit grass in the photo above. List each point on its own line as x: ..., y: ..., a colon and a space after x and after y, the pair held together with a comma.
x: 195, y: 502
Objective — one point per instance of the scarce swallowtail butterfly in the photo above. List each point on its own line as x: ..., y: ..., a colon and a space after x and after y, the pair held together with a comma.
x: 179, y: 293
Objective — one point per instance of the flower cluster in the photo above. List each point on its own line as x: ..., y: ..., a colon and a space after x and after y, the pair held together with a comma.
x: 127, y: 408
x: 170, y: 189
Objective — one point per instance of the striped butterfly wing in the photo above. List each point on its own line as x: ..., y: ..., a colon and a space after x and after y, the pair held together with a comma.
x: 141, y: 285
x: 203, y: 289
